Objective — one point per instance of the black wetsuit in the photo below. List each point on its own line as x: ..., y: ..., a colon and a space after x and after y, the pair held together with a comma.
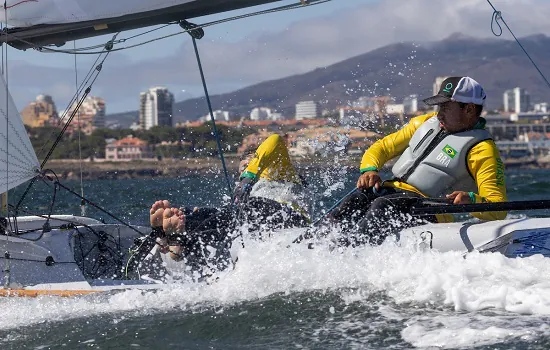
x: 368, y: 216
x: 208, y: 228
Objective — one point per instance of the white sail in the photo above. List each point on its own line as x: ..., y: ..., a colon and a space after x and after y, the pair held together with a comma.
x: 27, y: 13
x: 18, y: 162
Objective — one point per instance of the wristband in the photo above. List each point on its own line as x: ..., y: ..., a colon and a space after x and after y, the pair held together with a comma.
x: 370, y: 168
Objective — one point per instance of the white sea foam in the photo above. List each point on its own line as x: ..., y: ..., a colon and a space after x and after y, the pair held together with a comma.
x: 469, y: 330
x: 428, y: 280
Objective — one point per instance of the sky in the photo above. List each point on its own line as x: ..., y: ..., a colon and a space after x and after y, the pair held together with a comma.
x: 248, y: 51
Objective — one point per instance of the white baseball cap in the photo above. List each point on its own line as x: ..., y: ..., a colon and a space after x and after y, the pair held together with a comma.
x: 458, y: 89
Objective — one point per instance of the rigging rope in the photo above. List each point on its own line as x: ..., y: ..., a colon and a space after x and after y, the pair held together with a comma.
x: 94, y: 69
x: 109, y: 47
x: 496, y: 17
x: 198, y: 33
x: 115, y: 257
x: 58, y: 183
x: 46, y: 49
x: 7, y: 275
x: 82, y: 204
x: 89, y: 76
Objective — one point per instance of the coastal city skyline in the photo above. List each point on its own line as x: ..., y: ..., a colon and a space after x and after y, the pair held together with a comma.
x: 156, y: 108
x: 521, y: 129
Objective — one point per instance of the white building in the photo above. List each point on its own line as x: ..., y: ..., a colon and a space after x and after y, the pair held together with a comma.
x: 96, y: 106
x: 516, y: 100
x: 127, y: 149
x: 541, y: 107
x: 260, y: 113
x: 395, y: 109
x: 307, y: 110
x: 530, y: 117
x: 276, y: 116
x: 498, y: 118
x: 156, y: 108
x: 90, y: 116
x: 219, y: 115
x: 410, y: 104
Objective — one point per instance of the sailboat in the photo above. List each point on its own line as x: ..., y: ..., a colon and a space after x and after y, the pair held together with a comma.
x: 52, y: 254
x: 65, y: 254
x: 72, y: 255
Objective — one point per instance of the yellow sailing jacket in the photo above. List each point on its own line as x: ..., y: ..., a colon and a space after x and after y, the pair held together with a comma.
x: 484, y: 164
x: 272, y: 162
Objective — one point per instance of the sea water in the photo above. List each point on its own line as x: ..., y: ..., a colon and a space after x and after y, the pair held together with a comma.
x: 280, y: 297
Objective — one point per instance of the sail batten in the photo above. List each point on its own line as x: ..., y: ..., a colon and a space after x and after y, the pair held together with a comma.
x: 54, y: 22
x: 18, y: 161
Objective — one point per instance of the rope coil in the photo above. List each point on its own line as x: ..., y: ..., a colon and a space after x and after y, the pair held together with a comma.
x: 496, y: 17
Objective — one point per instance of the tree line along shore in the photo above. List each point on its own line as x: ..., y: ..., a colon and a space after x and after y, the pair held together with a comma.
x: 69, y: 169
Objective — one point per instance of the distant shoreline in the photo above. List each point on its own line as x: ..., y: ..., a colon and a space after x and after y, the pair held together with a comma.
x: 69, y: 169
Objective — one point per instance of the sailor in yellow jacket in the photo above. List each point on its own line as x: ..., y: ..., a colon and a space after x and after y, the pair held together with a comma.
x: 269, y: 173
x: 448, y: 153
x: 269, y: 196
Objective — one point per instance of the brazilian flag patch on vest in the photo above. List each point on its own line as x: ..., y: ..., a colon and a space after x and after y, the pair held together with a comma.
x: 451, y: 152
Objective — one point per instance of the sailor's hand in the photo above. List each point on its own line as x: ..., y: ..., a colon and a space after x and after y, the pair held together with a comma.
x: 369, y: 179
x: 242, y: 191
x: 460, y: 197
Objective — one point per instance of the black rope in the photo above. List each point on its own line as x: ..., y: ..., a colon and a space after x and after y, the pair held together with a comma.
x: 59, y: 184
x: 39, y: 261
x: 60, y: 227
x: 46, y: 227
x: 75, y: 96
x: 497, y: 16
x: 494, y: 20
x: 82, y: 205
x: 28, y: 212
x: 99, y: 208
x: 73, y: 225
x: 115, y: 257
x: 198, y: 33
x: 98, y: 68
x: 67, y: 124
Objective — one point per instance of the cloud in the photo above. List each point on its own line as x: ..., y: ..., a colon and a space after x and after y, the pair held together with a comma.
x: 303, y: 46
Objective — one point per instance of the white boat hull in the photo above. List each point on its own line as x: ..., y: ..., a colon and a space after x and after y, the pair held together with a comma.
x: 513, y: 238
x: 52, y: 261
x: 26, y: 268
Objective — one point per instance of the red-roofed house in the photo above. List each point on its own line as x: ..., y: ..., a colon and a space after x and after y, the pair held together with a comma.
x: 127, y: 149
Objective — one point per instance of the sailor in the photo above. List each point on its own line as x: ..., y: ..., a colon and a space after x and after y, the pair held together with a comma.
x: 269, y: 196
x: 447, y: 153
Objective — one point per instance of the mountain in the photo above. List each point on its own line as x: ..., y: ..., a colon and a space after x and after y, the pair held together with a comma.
x: 397, y: 70
x: 121, y: 120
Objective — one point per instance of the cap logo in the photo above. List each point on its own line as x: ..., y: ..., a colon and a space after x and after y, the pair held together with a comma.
x: 448, y: 87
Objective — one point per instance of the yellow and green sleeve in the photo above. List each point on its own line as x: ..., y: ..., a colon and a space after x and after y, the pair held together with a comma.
x: 272, y: 162
x: 392, y: 145
x: 487, y: 169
